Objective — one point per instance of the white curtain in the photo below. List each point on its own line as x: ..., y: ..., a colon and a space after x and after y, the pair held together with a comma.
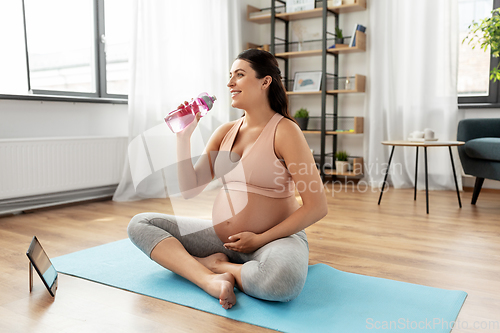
x: 413, y: 60
x: 179, y: 49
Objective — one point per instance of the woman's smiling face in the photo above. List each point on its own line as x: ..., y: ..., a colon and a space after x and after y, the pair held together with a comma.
x: 244, y: 86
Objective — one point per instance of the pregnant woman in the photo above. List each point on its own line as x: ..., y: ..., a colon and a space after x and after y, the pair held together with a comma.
x: 256, y: 239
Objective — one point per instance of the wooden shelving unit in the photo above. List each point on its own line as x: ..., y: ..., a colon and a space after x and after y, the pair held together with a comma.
x: 358, y: 86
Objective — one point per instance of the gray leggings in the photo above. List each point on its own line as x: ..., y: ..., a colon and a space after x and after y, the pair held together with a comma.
x: 275, y: 272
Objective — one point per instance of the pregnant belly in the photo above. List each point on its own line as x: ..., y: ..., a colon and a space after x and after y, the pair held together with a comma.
x: 237, y: 211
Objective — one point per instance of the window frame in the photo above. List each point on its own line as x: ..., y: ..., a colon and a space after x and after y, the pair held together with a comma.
x: 493, y: 98
x: 101, y: 95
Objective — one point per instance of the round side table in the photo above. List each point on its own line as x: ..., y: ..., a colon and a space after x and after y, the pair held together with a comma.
x: 424, y: 144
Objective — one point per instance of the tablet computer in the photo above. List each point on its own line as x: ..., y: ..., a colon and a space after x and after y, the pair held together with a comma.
x: 39, y: 259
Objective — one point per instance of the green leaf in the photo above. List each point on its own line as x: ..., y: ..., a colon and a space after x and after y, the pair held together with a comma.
x: 486, y: 34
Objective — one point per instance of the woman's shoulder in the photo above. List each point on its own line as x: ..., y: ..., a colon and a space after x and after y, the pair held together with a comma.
x: 288, y: 136
x: 286, y: 127
x: 221, y: 131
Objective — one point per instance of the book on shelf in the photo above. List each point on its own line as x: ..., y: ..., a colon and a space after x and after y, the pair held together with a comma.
x: 357, y: 27
x: 299, y: 5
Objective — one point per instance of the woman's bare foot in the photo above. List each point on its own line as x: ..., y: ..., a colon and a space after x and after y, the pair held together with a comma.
x: 221, y: 286
x: 213, y: 261
x: 219, y: 263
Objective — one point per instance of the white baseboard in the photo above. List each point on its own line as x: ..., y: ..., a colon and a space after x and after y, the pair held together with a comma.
x: 22, y: 204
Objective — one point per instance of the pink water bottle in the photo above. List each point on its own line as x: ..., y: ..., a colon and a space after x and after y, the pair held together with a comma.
x: 178, y: 120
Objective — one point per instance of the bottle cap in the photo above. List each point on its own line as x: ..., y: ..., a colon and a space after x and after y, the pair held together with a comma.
x: 209, y: 100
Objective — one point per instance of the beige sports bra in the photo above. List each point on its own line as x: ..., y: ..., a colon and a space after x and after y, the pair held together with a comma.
x: 259, y: 170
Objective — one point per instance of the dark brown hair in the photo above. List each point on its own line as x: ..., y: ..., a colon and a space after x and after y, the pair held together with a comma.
x: 264, y: 64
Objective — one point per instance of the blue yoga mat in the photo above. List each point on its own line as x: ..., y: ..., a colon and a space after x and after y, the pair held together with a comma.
x: 331, y: 301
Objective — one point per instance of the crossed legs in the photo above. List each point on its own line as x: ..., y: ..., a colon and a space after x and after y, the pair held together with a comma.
x: 189, y: 247
x: 171, y: 254
x: 175, y: 242
x: 275, y: 272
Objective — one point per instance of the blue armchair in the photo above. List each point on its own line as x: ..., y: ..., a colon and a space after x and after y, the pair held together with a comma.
x: 480, y: 156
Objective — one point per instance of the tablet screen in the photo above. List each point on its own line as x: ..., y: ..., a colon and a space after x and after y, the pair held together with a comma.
x: 43, y: 265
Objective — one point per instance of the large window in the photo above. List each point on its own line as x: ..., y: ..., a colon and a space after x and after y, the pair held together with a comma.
x: 76, y: 48
x: 474, y: 86
x: 13, y: 73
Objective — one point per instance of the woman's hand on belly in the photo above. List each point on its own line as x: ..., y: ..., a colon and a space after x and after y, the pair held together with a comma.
x: 258, y: 214
x: 245, y: 242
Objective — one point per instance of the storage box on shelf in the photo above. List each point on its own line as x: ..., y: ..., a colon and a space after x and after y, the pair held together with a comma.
x: 354, y: 84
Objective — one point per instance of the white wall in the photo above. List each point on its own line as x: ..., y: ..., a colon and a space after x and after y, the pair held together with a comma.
x: 251, y: 32
x: 32, y: 119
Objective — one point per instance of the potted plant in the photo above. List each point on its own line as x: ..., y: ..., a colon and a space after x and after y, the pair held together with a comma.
x: 302, y: 118
x: 486, y: 33
x: 341, y: 163
x: 339, y: 36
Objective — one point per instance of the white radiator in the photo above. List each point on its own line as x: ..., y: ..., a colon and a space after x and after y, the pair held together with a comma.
x: 32, y: 167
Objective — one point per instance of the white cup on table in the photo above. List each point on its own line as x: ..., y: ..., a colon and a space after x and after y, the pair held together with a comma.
x: 428, y: 134
x: 417, y: 135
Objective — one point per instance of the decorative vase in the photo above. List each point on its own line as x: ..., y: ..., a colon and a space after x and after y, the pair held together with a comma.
x: 342, y: 166
x: 302, y: 123
x: 300, y: 46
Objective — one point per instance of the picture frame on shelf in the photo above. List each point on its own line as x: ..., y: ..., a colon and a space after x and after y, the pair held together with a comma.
x: 307, y: 81
x: 299, y: 5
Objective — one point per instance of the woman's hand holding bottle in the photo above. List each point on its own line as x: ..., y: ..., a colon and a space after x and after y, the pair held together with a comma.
x: 186, y: 113
x: 189, y: 129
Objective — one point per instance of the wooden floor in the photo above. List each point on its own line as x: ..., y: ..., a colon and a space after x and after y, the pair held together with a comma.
x: 450, y: 248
